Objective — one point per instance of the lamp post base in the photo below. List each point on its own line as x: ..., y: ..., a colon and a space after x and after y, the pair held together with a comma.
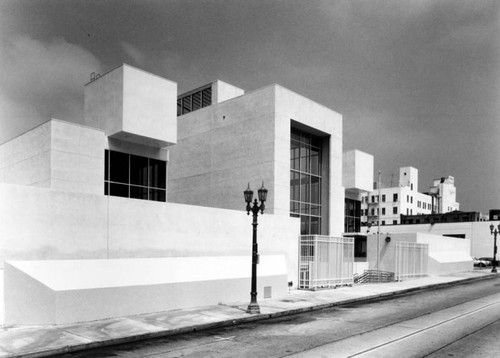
x: 253, y: 308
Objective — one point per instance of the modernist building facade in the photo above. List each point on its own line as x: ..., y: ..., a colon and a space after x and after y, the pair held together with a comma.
x: 405, y: 199
x: 153, y: 174
x: 227, y: 138
x: 156, y: 175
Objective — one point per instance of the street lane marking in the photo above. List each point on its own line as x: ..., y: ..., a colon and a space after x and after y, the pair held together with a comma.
x: 385, y: 344
x: 218, y: 339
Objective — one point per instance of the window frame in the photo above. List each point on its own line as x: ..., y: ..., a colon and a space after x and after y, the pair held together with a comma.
x: 133, y: 187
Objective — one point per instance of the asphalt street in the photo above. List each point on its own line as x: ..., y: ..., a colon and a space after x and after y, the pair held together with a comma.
x: 456, y: 321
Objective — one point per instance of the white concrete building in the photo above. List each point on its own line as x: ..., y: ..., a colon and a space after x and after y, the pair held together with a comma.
x: 137, y: 181
x: 407, y: 200
x: 357, y: 178
x: 274, y: 135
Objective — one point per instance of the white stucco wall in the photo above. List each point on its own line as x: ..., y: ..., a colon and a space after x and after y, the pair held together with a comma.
x: 325, y: 123
x: 220, y: 149
x: 149, y: 106
x: 25, y: 160
x: 357, y: 170
x: 446, y: 254
x: 53, y: 224
x: 222, y: 91
x: 478, y: 232
x: 58, y: 155
x: 67, y: 291
x: 77, y: 158
x: 247, y: 139
x: 134, y: 105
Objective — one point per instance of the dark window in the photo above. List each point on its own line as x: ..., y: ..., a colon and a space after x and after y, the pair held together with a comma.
x: 360, y: 246
x: 395, y: 197
x: 157, y: 194
x: 305, y: 180
x: 395, y: 210
x: 139, y: 192
x: 179, y: 106
x: 138, y: 170
x: 157, y: 173
x: 118, y: 190
x: 194, y: 101
x: 315, y: 164
x: 352, y: 213
x: 383, y: 198
x: 133, y: 176
x: 206, y: 97
x: 186, y: 104
x: 459, y: 236
x: 118, y: 167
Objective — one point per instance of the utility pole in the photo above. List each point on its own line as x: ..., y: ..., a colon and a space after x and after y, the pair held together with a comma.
x: 378, y: 224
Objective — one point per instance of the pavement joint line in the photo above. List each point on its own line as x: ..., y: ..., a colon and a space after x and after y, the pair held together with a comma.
x: 236, y: 321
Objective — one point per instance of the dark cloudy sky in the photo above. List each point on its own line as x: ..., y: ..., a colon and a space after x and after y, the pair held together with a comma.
x: 416, y: 81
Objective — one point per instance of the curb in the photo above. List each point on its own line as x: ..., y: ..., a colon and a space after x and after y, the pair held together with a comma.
x: 237, y: 321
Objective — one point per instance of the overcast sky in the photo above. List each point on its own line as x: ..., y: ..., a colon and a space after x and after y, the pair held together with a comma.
x: 417, y: 82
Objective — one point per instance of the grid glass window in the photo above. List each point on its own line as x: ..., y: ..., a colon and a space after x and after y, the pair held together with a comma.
x: 352, y: 220
x: 305, y: 181
x: 133, y: 176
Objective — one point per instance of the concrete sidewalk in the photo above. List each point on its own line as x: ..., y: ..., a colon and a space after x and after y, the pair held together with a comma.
x: 43, y: 341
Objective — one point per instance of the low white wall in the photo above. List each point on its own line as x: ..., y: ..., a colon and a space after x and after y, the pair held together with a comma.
x: 446, y: 254
x: 478, y: 232
x: 67, y: 291
x: 50, y: 224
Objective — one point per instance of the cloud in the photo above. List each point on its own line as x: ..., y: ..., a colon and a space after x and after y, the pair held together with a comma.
x: 40, y: 80
x: 134, y: 53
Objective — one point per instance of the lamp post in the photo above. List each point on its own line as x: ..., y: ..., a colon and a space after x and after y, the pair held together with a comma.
x: 253, y: 307
x: 494, y: 231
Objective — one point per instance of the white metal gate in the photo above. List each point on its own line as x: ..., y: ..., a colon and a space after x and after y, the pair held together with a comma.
x: 325, y: 261
x: 411, y: 260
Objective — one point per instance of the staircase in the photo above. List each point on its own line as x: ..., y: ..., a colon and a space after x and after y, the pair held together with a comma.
x: 374, y: 276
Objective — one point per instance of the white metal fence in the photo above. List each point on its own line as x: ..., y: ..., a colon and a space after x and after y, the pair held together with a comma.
x: 325, y: 261
x: 411, y: 260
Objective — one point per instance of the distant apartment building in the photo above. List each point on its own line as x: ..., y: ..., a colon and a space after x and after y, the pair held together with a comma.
x: 449, y: 217
x: 405, y: 199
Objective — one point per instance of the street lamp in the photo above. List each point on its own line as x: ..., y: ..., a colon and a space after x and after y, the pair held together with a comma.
x: 253, y: 307
x: 494, y: 232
